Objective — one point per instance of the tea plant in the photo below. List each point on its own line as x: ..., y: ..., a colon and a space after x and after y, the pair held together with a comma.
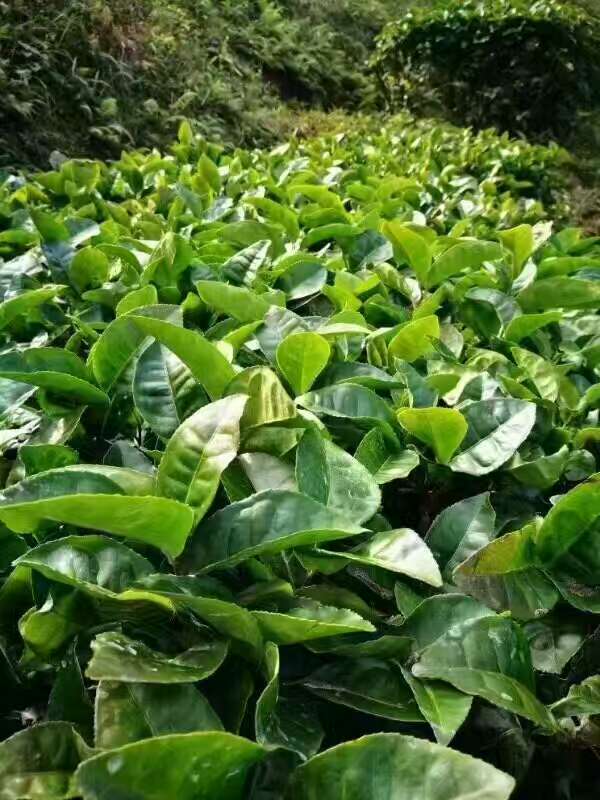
x: 299, y: 458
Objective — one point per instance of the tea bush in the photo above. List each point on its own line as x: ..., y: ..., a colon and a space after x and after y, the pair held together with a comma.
x: 527, y: 68
x: 299, y: 457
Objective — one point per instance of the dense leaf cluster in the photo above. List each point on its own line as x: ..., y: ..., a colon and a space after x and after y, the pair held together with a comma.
x: 530, y: 68
x: 298, y: 447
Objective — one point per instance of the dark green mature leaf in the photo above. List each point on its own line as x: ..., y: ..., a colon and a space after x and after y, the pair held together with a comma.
x: 205, y: 361
x: 401, y: 551
x: 336, y: 479
x: 372, y: 327
x: 98, y: 564
x: 488, y: 657
x: 209, y: 603
x: 385, y: 462
x: 55, y: 370
x: 118, y: 658
x: 496, y: 429
x: 130, y: 712
x: 193, y: 765
x: 266, y: 523
x: 370, y: 685
x: 444, y: 708
x: 460, y: 530
x: 406, y: 767
x: 582, y: 699
x: 435, y: 615
x: 285, y: 722
x: 39, y: 763
x: 348, y: 401
x: 164, y: 390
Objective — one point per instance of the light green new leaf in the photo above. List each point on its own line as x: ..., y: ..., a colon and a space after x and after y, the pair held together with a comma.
x: 523, y: 326
x: 442, y: 429
x: 268, y: 400
x: 410, y: 246
x: 198, y: 452
x: 521, y: 243
x: 301, y: 358
x: 111, y: 499
x: 570, y: 525
x: 413, y: 340
x: 187, y: 766
x: 23, y: 303
x: 58, y: 371
x: 309, y: 619
x: 406, y: 768
x: 561, y: 292
x: 237, y: 302
x: 466, y: 254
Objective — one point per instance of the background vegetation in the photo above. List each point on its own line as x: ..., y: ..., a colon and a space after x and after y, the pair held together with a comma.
x: 94, y: 76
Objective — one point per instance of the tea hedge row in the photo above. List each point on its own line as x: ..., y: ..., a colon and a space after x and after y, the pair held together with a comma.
x: 299, y: 468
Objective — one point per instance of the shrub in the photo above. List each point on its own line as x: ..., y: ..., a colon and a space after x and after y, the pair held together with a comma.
x: 527, y: 68
x: 298, y: 472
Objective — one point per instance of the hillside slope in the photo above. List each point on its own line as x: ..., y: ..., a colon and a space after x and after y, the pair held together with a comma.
x: 89, y: 77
